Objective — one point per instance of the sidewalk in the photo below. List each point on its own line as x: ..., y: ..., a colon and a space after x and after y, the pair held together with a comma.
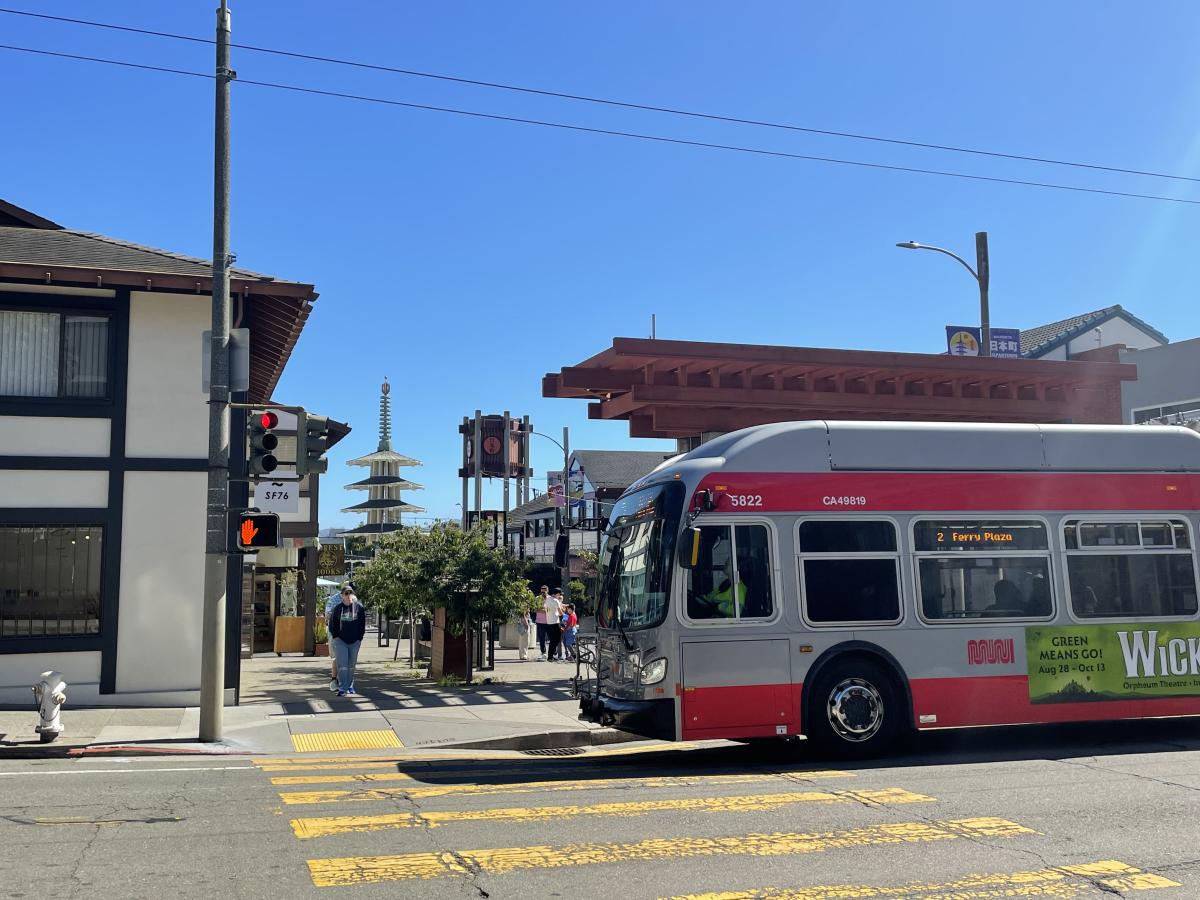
x: 284, y: 697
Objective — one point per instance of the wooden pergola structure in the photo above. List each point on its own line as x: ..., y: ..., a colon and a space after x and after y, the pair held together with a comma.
x: 684, y: 389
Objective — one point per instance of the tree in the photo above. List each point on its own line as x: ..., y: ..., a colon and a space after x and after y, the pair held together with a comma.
x: 447, y: 568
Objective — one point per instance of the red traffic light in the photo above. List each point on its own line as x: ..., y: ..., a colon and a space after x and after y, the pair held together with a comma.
x: 269, y: 420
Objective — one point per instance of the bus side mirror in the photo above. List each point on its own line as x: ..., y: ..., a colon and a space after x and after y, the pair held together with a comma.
x: 562, y: 550
x: 689, y: 548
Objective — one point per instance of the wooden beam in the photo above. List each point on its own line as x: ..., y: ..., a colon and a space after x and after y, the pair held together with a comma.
x: 804, y: 403
x: 600, y: 380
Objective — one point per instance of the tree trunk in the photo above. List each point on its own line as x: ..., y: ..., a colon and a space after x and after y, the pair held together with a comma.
x: 448, y: 652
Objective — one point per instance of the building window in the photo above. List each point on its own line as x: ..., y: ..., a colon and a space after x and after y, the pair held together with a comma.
x: 54, y: 355
x: 972, y: 569
x: 732, y: 578
x: 850, y: 571
x: 50, y: 580
x: 1189, y: 409
x: 1130, y: 569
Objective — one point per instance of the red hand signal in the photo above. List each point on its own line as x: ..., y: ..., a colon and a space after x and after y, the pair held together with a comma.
x: 249, y: 530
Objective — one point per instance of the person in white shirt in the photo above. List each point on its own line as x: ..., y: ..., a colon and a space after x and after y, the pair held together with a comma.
x: 553, y: 607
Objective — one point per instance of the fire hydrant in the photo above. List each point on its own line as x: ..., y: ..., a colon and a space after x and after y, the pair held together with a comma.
x: 50, y: 694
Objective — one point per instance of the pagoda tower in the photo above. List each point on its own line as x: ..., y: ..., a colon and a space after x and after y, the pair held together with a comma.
x: 383, y: 506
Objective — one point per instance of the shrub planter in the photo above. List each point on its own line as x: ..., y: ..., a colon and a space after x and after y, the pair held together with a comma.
x: 320, y: 649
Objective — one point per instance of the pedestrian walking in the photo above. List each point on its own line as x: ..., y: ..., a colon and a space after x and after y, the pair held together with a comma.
x: 524, y: 627
x: 539, y: 619
x: 553, y: 608
x: 333, y: 600
x: 347, y: 625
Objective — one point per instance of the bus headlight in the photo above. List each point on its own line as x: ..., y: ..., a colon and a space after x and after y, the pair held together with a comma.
x: 654, y: 672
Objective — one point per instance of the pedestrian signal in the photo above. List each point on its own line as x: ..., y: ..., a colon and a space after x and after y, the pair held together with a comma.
x: 258, y: 530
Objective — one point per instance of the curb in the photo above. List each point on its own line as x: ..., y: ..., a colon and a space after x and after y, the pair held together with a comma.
x: 77, y: 751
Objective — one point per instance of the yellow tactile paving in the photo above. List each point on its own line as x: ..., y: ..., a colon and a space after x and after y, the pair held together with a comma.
x: 1063, y: 883
x: 527, y: 787
x: 325, y: 741
x: 322, y: 827
x: 374, y: 869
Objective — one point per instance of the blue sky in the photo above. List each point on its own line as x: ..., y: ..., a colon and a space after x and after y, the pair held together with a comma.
x: 464, y: 258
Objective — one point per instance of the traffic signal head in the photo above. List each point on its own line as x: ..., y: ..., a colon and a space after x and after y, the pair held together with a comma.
x: 312, y: 440
x: 258, y: 530
x: 263, y: 442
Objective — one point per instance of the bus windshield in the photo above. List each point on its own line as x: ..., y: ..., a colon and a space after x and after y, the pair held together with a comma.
x: 636, y: 561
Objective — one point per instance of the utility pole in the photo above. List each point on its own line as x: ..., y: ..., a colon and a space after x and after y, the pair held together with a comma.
x: 983, y: 275
x: 212, y: 651
x: 566, y: 573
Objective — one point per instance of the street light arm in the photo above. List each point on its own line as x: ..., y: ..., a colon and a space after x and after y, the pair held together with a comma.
x: 547, y: 437
x: 913, y: 245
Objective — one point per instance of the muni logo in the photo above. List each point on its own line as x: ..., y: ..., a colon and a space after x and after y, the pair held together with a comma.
x: 990, y: 652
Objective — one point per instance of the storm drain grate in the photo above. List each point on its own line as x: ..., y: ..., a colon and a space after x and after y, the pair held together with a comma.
x: 555, y: 751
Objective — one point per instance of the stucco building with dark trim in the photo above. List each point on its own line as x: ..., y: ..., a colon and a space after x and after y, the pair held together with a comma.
x: 103, y: 455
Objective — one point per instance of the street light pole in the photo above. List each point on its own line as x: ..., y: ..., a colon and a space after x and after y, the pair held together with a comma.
x: 565, y: 518
x: 982, y: 275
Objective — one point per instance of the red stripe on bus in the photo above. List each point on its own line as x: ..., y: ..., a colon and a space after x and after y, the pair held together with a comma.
x: 748, y: 711
x: 849, y: 492
x: 1004, y: 700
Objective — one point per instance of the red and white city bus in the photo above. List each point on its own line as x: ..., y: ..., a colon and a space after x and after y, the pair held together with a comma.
x: 850, y: 581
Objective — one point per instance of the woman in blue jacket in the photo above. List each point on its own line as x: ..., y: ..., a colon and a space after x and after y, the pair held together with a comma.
x: 347, y: 625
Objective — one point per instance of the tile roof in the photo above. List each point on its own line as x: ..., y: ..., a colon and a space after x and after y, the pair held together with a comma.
x: 517, y: 515
x: 618, y: 468
x: 84, y: 249
x: 275, y: 309
x: 1041, y: 340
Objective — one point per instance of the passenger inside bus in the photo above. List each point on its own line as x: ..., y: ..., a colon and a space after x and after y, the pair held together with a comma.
x: 984, y: 588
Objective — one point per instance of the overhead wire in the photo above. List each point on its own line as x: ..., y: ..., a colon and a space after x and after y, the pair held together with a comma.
x: 624, y: 104
x: 633, y: 135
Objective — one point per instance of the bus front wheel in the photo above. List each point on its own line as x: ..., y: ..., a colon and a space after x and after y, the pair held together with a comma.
x: 856, y: 709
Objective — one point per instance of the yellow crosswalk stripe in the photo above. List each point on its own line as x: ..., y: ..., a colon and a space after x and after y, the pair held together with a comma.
x: 343, y: 779
x: 341, y: 775
x: 1062, y: 882
x: 308, y: 762
x: 527, y: 787
x: 323, y: 827
x: 398, y: 867
x: 286, y: 763
x: 345, y: 740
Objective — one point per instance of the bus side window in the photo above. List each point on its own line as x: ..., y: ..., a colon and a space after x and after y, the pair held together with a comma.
x: 754, y: 570
x: 710, y: 582
x: 732, y: 577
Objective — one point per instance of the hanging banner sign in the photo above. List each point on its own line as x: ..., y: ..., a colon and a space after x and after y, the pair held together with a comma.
x: 964, y: 340
x: 1082, y: 663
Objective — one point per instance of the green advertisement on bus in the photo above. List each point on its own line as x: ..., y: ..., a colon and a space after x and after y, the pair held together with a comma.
x: 1138, y: 661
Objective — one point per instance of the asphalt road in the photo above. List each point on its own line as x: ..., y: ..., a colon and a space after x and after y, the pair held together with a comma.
x: 1077, y: 812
